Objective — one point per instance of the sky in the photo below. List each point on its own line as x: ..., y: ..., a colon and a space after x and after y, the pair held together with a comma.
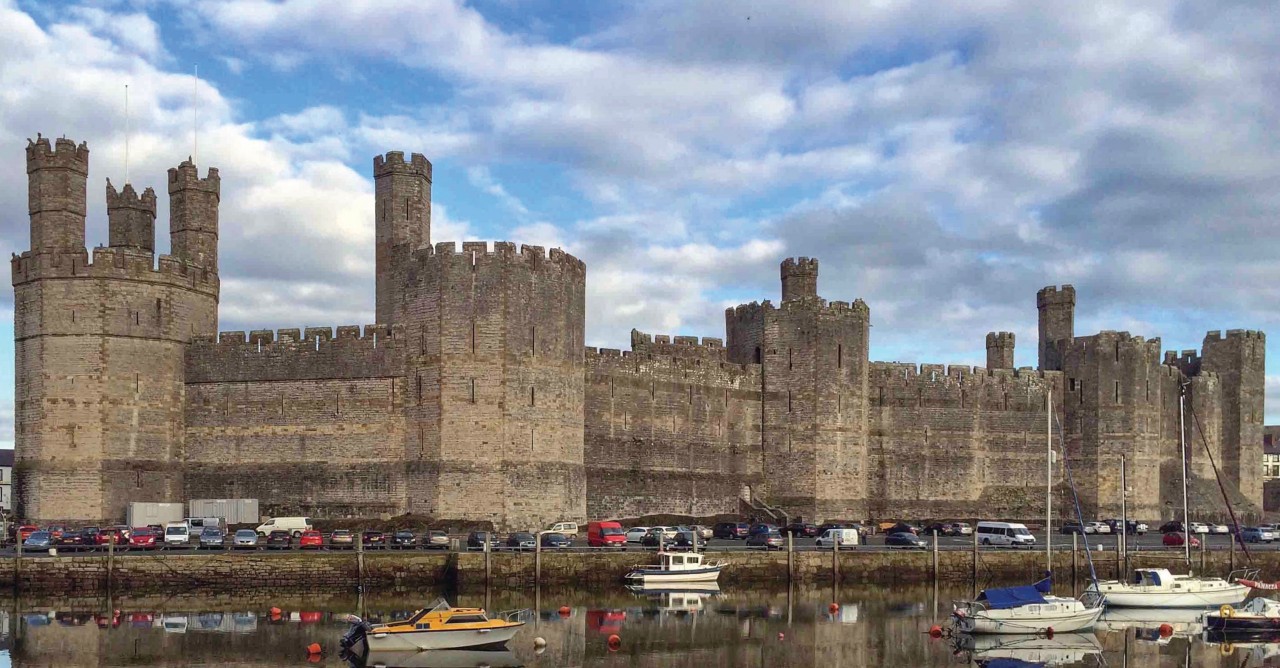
x: 943, y: 162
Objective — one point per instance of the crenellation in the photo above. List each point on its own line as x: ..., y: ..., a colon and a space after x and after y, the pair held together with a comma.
x: 322, y: 334
x: 64, y: 154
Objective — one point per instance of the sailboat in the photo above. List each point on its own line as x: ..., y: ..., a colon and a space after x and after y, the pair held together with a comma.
x: 1030, y: 609
x: 1159, y: 588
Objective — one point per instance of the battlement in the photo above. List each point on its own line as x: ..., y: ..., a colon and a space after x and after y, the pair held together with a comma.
x: 611, y: 360
x: 882, y: 373
x: 393, y: 163
x: 477, y: 253
x: 128, y: 198
x: 292, y: 353
x: 120, y: 263
x: 681, y: 346
x: 64, y: 154
x: 799, y: 278
x: 187, y: 177
x: 1053, y: 295
x: 1244, y: 334
x: 311, y: 335
x: 1000, y: 339
x: 856, y: 307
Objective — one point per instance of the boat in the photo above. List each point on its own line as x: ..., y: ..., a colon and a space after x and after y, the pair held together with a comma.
x: 1027, y: 609
x: 1158, y: 588
x: 1146, y: 622
x: 1039, y: 650
x: 1257, y: 616
x: 438, y: 626
x: 440, y: 658
x: 676, y: 567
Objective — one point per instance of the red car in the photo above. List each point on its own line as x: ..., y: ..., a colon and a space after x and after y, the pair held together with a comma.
x: 311, y: 539
x: 1177, y: 539
x: 112, y: 535
x: 25, y: 531
x: 143, y: 538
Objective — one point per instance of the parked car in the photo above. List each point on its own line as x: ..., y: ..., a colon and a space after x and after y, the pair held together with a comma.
x: 604, y: 534
x: 704, y: 532
x: 731, y: 530
x: 124, y: 529
x: 1177, y: 539
x: 112, y: 536
x: 403, y: 540
x: 761, y: 527
x: 476, y: 540
x: 71, y: 539
x: 569, y: 529
x: 521, y: 540
x: 1256, y: 535
x: 556, y: 540
x: 176, y: 534
x: 1136, y: 527
x: 902, y: 527
x: 435, y: 540
x: 1075, y: 527
x: 667, y: 532
x: 826, y: 526
x: 1220, y: 529
x: 801, y: 529
x: 373, y: 540
x: 245, y: 539
x: 55, y: 531
x: 1173, y: 526
x: 25, y: 531
x: 769, y: 540
x: 280, y: 539
x: 1199, y: 527
x: 342, y: 539
x: 38, y: 540
x: 904, y: 539
x: 655, y: 538
x: 1099, y: 527
x: 636, y: 534
x: 961, y: 529
x: 685, y: 541
x: 843, y: 537
x: 941, y: 528
x: 294, y: 525
x: 212, y: 538
x: 311, y: 540
x: 144, y: 538
x: 1012, y: 534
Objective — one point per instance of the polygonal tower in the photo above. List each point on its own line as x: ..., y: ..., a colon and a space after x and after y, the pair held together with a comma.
x: 1057, y: 322
x: 815, y: 363
x: 99, y: 346
x: 1239, y: 360
x: 1000, y: 350
x: 402, y: 215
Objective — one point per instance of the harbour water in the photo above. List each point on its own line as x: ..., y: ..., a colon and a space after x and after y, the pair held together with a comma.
x: 702, y: 629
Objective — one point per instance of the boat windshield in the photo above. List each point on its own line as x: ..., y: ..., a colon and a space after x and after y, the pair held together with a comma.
x: 438, y: 605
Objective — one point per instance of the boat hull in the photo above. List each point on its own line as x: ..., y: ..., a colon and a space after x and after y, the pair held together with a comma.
x: 649, y: 577
x: 1241, y: 624
x: 1015, y: 621
x: 1135, y: 598
x: 443, y: 658
x: 419, y: 640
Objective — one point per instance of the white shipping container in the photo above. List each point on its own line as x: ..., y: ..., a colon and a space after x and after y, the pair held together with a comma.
x: 234, y: 511
x: 142, y: 513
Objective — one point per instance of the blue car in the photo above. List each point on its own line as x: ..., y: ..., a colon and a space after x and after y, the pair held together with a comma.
x: 1256, y: 535
x: 39, y: 540
x: 904, y: 539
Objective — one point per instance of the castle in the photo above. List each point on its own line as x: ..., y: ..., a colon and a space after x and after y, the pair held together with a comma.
x: 474, y: 397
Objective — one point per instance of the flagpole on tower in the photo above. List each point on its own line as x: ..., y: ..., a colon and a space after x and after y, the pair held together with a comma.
x: 126, y: 134
x: 195, y: 112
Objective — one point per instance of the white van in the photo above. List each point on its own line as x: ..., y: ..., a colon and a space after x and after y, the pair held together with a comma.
x: 197, y: 524
x: 1005, y: 533
x: 843, y: 537
x: 570, y: 529
x: 294, y: 525
x: 177, y: 534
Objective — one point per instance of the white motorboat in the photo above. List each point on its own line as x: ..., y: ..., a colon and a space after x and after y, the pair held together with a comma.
x: 1158, y: 588
x: 439, y: 626
x: 1027, y: 609
x: 675, y: 567
x: 1146, y: 622
x: 1041, y: 650
x: 1259, y: 615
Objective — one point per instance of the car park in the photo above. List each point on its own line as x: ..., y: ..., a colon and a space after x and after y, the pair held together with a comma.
x: 311, y: 540
x: 842, y: 537
x: 143, y: 538
x: 768, y: 540
x: 403, y: 540
x: 1173, y: 539
x: 476, y: 540
x: 636, y: 534
x: 801, y: 529
x: 212, y: 538
x: 373, y: 540
x: 604, y: 534
x: 904, y: 539
x: 554, y: 540
x: 435, y: 540
x: 342, y: 539
x: 731, y: 530
x: 1257, y: 535
x: 521, y: 540
x: 280, y: 539
x: 245, y: 539
x: 38, y: 540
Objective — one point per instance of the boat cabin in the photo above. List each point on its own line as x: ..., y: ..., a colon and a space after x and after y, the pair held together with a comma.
x: 438, y: 615
x: 1151, y: 577
x: 675, y: 561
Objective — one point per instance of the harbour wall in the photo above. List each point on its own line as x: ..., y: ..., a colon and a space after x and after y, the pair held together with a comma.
x: 214, y: 573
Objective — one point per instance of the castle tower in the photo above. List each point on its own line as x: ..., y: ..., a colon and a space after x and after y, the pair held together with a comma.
x: 1057, y: 322
x: 815, y: 363
x: 1000, y: 350
x: 1239, y: 360
x: 56, y: 194
x: 402, y: 194
x: 193, y: 215
x: 131, y: 220
x: 99, y: 351
x: 799, y: 278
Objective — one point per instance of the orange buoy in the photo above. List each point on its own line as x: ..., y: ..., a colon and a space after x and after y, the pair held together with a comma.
x: 275, y: 611
x: 1166, y: 630
x: 614, y: 642
x: 833, y: 608
x: 313, y: 648
x: 935, y: 631
x: 565, y: 610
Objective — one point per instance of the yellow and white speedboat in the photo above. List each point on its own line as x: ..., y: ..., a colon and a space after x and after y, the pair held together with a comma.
x: 438, y: 626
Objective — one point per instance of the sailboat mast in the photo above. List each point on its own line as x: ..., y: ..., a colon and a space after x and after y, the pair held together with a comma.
x: 1182, y: 438
x: 1048, y: 483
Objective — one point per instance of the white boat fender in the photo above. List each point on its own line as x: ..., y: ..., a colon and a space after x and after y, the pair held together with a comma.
x: 539, y: 642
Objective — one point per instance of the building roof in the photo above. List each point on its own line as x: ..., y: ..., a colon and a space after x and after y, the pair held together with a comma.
x: 6, y: 457
x: 1271, y: 440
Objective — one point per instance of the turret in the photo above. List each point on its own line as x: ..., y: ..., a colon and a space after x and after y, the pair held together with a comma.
x: 1057, y: 322
x: 193, y: 215
x: 131, y: 220
x: 1000, y: 350
x: 799, y: 278
x: 402, y: 193
x: 57, y: 178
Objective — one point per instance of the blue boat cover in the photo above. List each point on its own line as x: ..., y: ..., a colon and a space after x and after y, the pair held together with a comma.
x: 1013, y: 597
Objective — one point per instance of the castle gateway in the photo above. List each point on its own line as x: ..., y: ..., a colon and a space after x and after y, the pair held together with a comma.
x: 473, y: 396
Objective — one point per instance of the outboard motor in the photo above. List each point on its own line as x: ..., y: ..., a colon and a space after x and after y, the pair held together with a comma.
x: 356, y: 634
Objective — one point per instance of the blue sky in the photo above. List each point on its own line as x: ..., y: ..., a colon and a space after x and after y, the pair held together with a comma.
x: 943, y: 164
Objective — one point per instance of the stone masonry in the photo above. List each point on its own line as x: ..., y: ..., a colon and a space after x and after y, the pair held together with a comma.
x: 473, y: 397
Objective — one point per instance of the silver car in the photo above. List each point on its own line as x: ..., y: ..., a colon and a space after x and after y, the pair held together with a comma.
x: 246, y: 539
x: 39, y: 540
x: 212, y: 539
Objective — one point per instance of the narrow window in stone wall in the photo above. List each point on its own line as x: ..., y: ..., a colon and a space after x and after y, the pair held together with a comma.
x: 137, y: 317
x: 690, y: 394
x: 611, y: 389
x: 337, y: 403
x: 406, y: 208
x: 531, y: 395
x: 1148, y: 390
x: 419, y: 389
x: 531, y: 446
x: 137, y: 479
x: 1117, y: 351
x: 159, y: 310
x: 73, y: 317
x: 789, y: 358
x: 1082, y: 392
x: 473, y: 390
x: 624, y: 420
x: 473, y: 336
x: 533, y: 340
x: 757, y: 354
x: 653, y: 390
x: 1117, y: 391
x: 137, y: 382
x: 788, y: 401
x: 839, y: 355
